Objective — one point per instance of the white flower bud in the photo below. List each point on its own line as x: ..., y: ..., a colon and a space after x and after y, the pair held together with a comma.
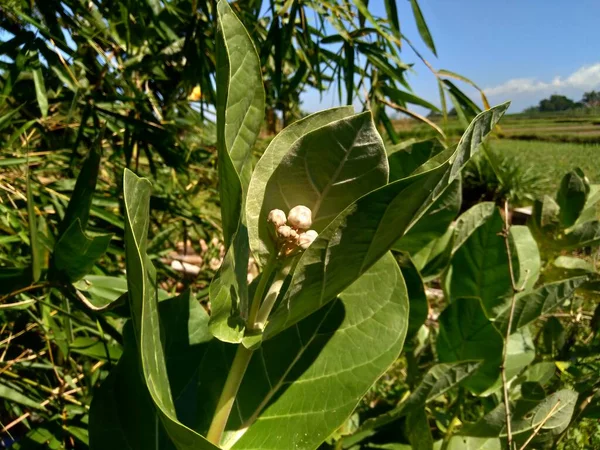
x: 287, y: 232
x: 307, y: 238
x: 277, y: 218
x: 300, y: 217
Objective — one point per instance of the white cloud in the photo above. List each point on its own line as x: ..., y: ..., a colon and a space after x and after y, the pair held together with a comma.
x: 586, y: 77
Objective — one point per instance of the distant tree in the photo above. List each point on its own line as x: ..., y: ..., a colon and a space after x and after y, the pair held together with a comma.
x: 531, y: 110
x: 591, y: 99
x: 557, y: 103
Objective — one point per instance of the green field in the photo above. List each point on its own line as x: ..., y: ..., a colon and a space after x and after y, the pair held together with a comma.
x: 546, y: 145
x: 551, y: 160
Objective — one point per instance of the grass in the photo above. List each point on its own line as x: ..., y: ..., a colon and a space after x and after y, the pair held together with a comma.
x: 552, y: 160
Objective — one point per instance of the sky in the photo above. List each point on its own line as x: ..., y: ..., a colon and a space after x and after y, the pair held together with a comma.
x: 517, y: 50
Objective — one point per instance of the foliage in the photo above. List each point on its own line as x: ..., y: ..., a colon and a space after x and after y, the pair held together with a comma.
x: 292, y: 351
x: 498, y: 177
x: 506, y: 290
x: 277, y: 356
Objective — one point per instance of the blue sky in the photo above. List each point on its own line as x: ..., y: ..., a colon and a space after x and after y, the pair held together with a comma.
x: 519, y: 50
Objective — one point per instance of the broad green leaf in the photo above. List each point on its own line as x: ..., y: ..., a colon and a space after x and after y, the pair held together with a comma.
x: 36, y: 263
x: 467, y: 334
x: 434, y: 224
x: 530, y: 306
x: 437, y: 381
x: 419, y: 306
x: 405, y: 160
x: 75, y: 253
x: 527, y: 253
x: 572, y: 196
x: 228, y: 292
x: 326, y: 170
x: 590, y: 209
x: 479, y: 267
x: 368, y: 228
x: 422, y: 26
x: 104, y: 292
x: 459, y: 442
x: 141, y: 284
x: 40, y: 91
x: 289, y: 397
x: 572, y: 263
x: 434, y: 257
x: 471, y: 220
x: 558, y: 407
x: 554, y: 412
x: 553, y: 335
x: 14, y: 395
x: 185, y: 335
x: 81, y: 199
x: 240, y: 111
x: 418, y: 431
x: 260, y: 239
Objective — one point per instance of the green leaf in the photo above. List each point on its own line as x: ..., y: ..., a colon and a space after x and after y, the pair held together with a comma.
x: 530, y: 306
x: 40, y: 91
x: 405, y: 160
x: 367, y: 229
x: 527, y: 253
x: 471, y: 220
x: 434, y: 224
x: 228, y: 292
x: 13, y: 395
x: 81, y: 199
x: 392, y: 14
x: 326, y: 170
x: 141, y: 284
x: 422, y: 26
x: 286, y: 380
x: 572, y: 196
x: 240, y: 111
x: 437, y: 381
x: 458, y: 442
x: 479, y: 267
x: 467, y: 334
x: 104, y: 292
x: 185, y: 336
x: 418, y: 431
x: 260, y: 239
x: 403, y: 97
x: 75, y: 253
x: 419, y: 306
x: 36, y: 262
x: 553, y: 414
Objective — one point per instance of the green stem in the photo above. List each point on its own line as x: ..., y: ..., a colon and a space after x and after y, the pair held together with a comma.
x: 272, y: 294
x: 230, y: 390
x: 240, y: 361
x: 260, y: 292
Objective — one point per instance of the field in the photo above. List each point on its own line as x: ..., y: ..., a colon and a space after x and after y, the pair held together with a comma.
x: 550, y: 160
x: 546, y: 145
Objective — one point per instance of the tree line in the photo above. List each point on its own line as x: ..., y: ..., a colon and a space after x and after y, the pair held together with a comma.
x: 557, y: 102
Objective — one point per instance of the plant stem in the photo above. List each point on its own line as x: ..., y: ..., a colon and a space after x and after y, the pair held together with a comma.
x: 260, y: 291
x: 230, y: 390
x: 515, y: 290
x: 240, y: 361
x: 272, y: 294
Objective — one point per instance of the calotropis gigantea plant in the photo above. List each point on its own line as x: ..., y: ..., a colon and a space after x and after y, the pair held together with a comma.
x: 280, y: 363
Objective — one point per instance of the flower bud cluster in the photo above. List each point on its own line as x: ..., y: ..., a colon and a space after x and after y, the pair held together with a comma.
x: 293, y: 231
